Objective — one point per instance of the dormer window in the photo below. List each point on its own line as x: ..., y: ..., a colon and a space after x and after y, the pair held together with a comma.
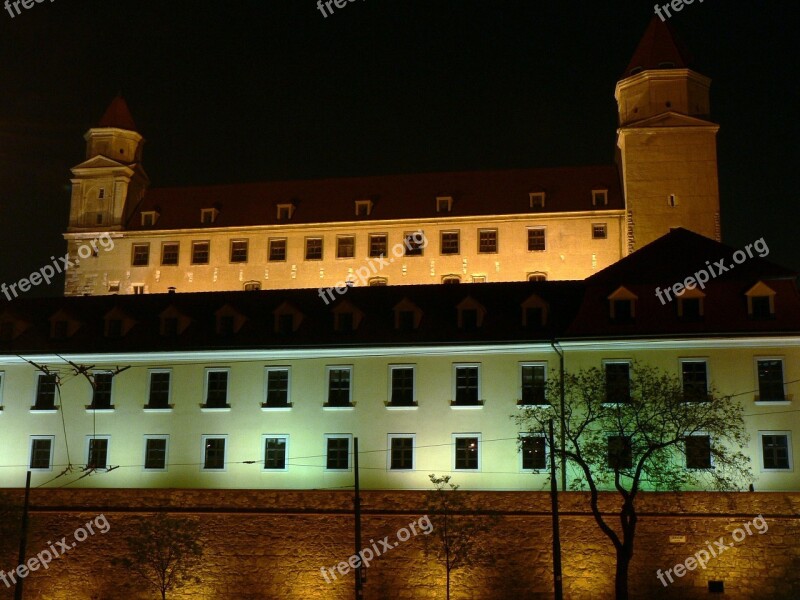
x: 444, y: 204
x: 149, y: 218
x: 536, y: 200
x: 285, y: 211
x: 599, y: 197
x: 691, y: 305
x: 622, y: 305
x: 113, y: 328
x: 60, y: 329
x: 229, y: 320
x: 760, y: 302
x: 378, y: 281
x: 471, y: 314
x: 363, y: 208
x: 208, y: 215
x: 346, y: 317
x: 534, y: 312
x: 407, y: 315
x: 287, y: 319
x: 6, y: 331
x: 666, y: 65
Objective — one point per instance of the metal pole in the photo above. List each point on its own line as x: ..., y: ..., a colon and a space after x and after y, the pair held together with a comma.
x: 357, y: 505
x: 23, y: 538
x: 557, y: 583
x: 562, y: 417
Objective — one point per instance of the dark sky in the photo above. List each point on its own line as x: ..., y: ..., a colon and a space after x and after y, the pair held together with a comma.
x: 269, y: 89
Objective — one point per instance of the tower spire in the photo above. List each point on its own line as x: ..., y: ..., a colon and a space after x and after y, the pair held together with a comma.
x: 118, y: 115
x: 659, y: 48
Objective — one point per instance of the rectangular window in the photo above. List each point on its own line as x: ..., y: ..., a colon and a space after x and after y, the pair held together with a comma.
x: 217, y: 388
x: 599, y: 231
x: 618, y: 382
x: 467, y: 385
x: 377, y: 245
x: 277, y: 250
x: 170, y: 252
x: 487, y: 241
x: 345, y: 246
x: 599, y: 197
x: 200, y: 253
x: 214, y: 453
x: 41, y: 453
x: 2, y: 381
x: 159, y: 389
x: 101, y: 398
x: 450, y: 242
x: 620, y: 452
x: 533, y: 384
x: 238, y: 251
x: 155, y: 453
x: 536, y: 199
x: 536, y: 240
x: 402, y: 386
x: 313, y: 248
x: 698, y: 452
x: 770, y: 380
x: 208, y: 215
x: 444, y: 204
x: 45, y: 392
x: 141, y: 255
x: 694, y: 374
x: 277, y: 388
x: 401, y: 452
x: 275, y: 452
x: 148, y: 219
x: 534, y: 452
x: 762, y: 307
x: 339, y: 389
x: 285, y: 211
x: 363, y: 208
x: 337, y: 452
x: 97, y: 457
x: 467, y: 452
x: 414, y: 243
x: 776, y: 450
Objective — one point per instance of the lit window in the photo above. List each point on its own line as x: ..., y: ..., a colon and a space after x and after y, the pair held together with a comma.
x: 536, y: 240
x: 313, y: 248
x: 277, y: 250
x: 238, y: 251
x: 467, y: 452
x: 141, y: 255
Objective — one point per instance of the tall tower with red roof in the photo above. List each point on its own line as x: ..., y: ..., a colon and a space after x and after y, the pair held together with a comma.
x: 666, y: 146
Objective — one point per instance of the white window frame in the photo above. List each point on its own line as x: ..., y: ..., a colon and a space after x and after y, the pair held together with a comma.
x: 456, y: 436
x: 600, y: 193
x: 269, y: 436
x: 36, y: 375
x: 444, y: 204
x: 267, y: 371
x: 394, y: 436
x: 413, y: 368
x: 702, y: 359
x: 2, y: 386
x: 208, y: 211
x: 787, y: 398
x: 203, y: 439
x: 349, y: 468
x: 616, y: 361
x: 89, y: 438
x: 711, y: 457
x: 532, y: 363
x: 111, y: 407
x: 289, y: 208
x: 52, y: 439
x: 454, y: 388
x: 147, y: 407
x: 788, y: 435
x: 204, y: 406
x: 530, y: 434
x: 166, y: 453
x: 365, y: 204
x: 328, y: 369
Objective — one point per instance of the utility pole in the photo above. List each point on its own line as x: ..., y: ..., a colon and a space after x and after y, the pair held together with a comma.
x: 357, y: 506
x: 23, y: 538
x: 558, y: 592
x: 562, y: 417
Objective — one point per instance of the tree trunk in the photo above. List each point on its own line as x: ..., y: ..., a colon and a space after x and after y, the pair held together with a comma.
x: 621, y: 580
x: 448, y: 582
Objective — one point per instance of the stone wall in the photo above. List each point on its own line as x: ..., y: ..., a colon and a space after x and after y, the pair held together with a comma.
x: 262, y: 544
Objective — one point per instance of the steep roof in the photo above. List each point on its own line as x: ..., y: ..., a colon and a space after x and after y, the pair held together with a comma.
x: 118, y: 115
x: 658, y: 46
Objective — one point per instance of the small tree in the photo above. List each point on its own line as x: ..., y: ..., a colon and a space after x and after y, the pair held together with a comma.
x: 164, y: 552
x: 455, y: 530
x: 629, y: 434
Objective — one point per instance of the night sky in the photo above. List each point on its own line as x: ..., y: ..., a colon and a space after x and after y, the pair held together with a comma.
x: 270, y: 89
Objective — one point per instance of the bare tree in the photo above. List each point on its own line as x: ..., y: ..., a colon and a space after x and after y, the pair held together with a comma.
x: 648, y: 432
x: 164, y: 551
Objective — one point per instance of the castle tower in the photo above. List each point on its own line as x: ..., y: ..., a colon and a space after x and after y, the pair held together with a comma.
x: 666, y: 146
x: 108, y: 185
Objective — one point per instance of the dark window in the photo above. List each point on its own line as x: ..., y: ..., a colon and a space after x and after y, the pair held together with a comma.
x: 338, y: 453
x: 620, y: 452
x: 252, y: 286
x: 698, y: 452
x: 377, y: 281
x: 761, y: 307
x: 114, y: 328
x: 466, y: 453
x: 170, y: 253
x: 102, y: 390
x: 377, y: 245
x: 170, y: 326
x: 155, y: 453
x: 770, y: 380
x: 141, y: 255
x: 537, y: 200
x: 159, y: 390
x: 537, y: 277
x: 487, y: 241
x: 690, y: 307
x: 275, y: 453
x: 469, y: 319
x: 239, y: 251
x: 277, y: 250
x: 775, y: 450
x: 450, y: 242
x: 98, y: 453
x: 41, y: 449
x: 226, y: 324
x: 217, y: 392
x: 533, y: 384
x: 405, y: 320
x: 402, y: 453
x: 402, y: 386
x: 618, y: 383
x: 339, y: 387
x: 600, y: 198
x: 345, y: 247
x: 314, y: 249
x: 536, y: 239
x: 207, y: 216
x: 7, y: 331
x: 599, y: 231
x: 214, y: 453
x: 453, y: 279
x: 285, y: 323
x: 277, y: 387
x: 534, y: 456
x: 200, y: 253
x: 45, y: 393
x: 534, y: 317
x: 414, y: 243
x: 623, y: 310
x: 345, y: 322
x: 284, y: 212
x: 695, y: 381
x: 467, y: 386
x: 60, y: 329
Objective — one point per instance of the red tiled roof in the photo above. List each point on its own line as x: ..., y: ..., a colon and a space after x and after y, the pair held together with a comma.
x: 474, y: 193
x: 118, y: 115
x: 658, y: 46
